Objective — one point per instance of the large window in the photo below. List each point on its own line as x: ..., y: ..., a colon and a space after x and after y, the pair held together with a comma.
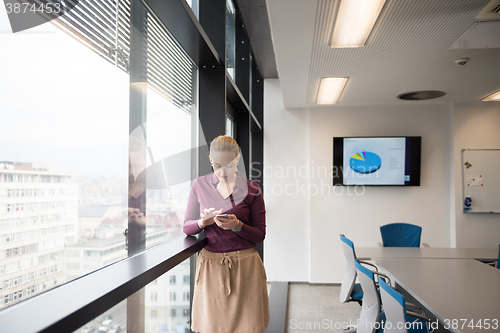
x: 66, y: 144
x: 101, y: 141
x: 64, y: 148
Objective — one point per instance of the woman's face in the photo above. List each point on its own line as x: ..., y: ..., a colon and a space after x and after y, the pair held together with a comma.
x: 224, y: 164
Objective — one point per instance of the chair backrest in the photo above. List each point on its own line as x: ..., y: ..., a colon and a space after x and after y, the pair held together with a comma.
x: 394, y: 308
x: 350, y: 270
x: 400, y: 235
x: 370, y: 310
x: 498, y: 260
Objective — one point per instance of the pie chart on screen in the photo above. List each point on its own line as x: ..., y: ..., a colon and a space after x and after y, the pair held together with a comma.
x: 365, y: 162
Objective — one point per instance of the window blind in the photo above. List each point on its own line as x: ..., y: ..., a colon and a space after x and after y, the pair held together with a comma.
x: 104, y: 27
x: 170, y: 71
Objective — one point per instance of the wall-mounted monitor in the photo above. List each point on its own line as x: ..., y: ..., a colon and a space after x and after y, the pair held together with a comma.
x: 392, y: 161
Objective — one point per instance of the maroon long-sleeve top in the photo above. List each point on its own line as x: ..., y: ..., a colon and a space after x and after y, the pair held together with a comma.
x: 246, y: 202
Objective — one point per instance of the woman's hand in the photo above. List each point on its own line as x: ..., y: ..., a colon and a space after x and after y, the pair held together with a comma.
x: 207, y: 217
x: 227, y: 223
x: 135, y: 215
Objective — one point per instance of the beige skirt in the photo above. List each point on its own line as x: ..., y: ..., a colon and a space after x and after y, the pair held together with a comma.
x: 230, y: 294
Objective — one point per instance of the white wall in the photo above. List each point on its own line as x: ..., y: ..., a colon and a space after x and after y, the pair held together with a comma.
x: 360, y: 215
x: 286, y: 149
x: 476, y: 126
x: 304, y: 222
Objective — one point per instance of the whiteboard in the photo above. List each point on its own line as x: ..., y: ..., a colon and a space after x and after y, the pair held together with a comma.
x: 481, y: 179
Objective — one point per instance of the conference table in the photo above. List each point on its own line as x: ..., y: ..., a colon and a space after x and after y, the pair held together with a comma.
x: 460, y: 291
x: 364, y: 253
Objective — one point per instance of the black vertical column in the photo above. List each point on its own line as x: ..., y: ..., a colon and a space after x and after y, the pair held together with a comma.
x: 257, y: 136
x: 243, y: 138
x: 137, y: 120
x: 212, y: 79
x: 137, y: 153
x: 243, y: 62
x: 243, y: 84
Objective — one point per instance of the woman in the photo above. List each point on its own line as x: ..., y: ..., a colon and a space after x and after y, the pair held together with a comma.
x: 230, y: 293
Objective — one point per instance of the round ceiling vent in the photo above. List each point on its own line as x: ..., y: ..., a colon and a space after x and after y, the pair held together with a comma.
x: 421, y: 95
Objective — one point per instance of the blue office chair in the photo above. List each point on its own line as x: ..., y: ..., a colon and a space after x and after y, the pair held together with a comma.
x: 350, y: 290
x: 401, y: 235
x: 397, y: 318
x: 498, y: 260
x: 370, y: 318
x: 495, y: 263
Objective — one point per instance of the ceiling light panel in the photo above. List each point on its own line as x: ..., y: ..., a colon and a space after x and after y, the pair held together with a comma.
x: 495, y: 97
x: 355, y: 22
x: 330, y: 90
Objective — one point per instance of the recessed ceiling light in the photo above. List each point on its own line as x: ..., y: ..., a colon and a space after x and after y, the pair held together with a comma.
x: 330, y: 90
x: 355, y: 21
x: 495, y: 97
x: 421, y: 95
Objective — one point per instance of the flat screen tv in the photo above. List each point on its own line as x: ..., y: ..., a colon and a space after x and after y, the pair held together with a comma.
x: 391, y: 161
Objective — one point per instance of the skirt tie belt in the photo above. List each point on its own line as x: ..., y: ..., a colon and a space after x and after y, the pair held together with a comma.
x: 227, y: 279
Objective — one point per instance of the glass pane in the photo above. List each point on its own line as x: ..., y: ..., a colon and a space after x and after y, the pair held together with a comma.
x: 64, y: 160
x: 165, y: 307
x: 112, y: 321
x: 194, y: 6
x: 162, y: 158
x: 169, y: 135
x: 167, y: 301
x: 230, y: 37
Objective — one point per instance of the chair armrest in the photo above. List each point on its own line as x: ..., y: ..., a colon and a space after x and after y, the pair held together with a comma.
x: 425, y: 245
x: 415, y: 308
x: 376, y: 272
x: 379, y: 244
x: 384, y: 275
x: 416, y: 315
x: 368, y: 263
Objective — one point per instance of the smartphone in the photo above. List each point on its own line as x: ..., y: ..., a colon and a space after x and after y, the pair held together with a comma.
x: 222, y: 215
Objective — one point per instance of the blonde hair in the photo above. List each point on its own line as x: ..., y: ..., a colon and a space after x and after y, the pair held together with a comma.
x: 225, y: 143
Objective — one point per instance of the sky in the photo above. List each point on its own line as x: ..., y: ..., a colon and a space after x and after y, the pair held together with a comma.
x: 64, y: 107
